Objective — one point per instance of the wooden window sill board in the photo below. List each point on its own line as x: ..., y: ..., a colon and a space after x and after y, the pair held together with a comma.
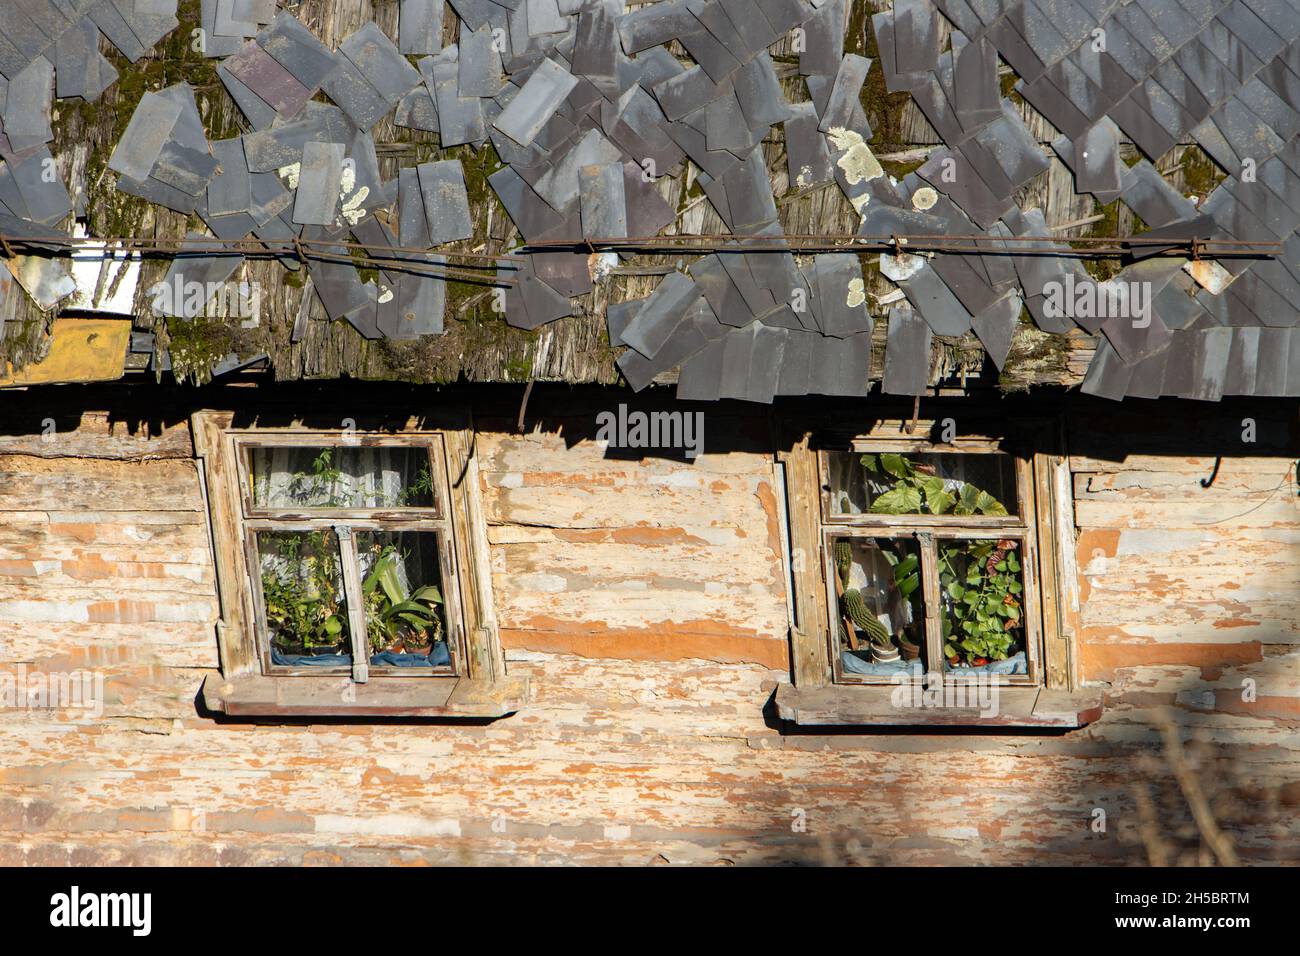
x: 862, y: 706
x: 445, y: 697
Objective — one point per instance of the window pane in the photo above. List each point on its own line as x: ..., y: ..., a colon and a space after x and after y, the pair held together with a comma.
x: 927, y: 483
x: 878, y: 602
x: 341, y: 476
x: 406, y: 616
x: 982, y: 605
x: 303, y: 598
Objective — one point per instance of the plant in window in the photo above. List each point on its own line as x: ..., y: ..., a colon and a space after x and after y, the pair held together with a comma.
x: 918, y: 490
x: 398, y: 619
x: 420, y: 488
x: 983, y: 603
x: 979, y: 580
x: 304, y: 607
x: 321, y: 483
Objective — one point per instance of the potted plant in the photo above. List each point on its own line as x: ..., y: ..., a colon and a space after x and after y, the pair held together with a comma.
x: 982, y: 590
x: 397, y: 619
x: 304, y: 610
x: 855, y: 608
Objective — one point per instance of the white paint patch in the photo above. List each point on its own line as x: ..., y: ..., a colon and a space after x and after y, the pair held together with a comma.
x: 621, y: 832
x: 541, y: 581
x: 387, y: 824
x: 857, y: 161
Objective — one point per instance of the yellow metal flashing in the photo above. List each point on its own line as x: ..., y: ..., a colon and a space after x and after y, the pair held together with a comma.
x: 81, y: 350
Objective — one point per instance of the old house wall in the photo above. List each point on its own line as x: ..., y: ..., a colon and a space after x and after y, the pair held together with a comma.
x: 644, y: 599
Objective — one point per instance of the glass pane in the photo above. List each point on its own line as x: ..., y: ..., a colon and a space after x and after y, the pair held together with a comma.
x: 982, y: 605
x: 878, y: 597
x: 341, y: 476
x: 941, y: 483
x: 406, y: 615
x: 303, y: 598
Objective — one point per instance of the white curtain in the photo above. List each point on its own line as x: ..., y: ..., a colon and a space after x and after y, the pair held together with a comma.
x: 288, y: 477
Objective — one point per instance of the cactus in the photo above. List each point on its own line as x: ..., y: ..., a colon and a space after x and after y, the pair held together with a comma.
x: 843, y: 560
x: 856, y: 608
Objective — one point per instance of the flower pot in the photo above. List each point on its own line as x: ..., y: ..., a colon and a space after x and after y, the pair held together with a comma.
x: 884, y: 655
x: 910, y: 651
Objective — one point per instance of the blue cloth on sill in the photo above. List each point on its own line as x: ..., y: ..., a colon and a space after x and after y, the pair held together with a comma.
x: 862, y: 665
x: 439, y: 656
x: 1015, y: 664
x: 853, y: 663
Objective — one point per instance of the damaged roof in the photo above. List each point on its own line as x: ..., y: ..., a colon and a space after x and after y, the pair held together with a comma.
x: 591, y: 114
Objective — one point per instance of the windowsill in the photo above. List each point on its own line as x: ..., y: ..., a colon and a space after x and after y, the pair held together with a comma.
x: 444, y: 697
x: 861, y: 706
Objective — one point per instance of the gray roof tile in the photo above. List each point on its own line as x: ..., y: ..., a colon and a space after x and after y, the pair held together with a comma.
x: 298, y: 50
x: 146, y: 132
x: 376, y: 56
x: 823, y: 40
x: 189, y: 170
x: 446, y: 202
x: 1108, y: 376
x: 419, y: 27
x: 479, y: 63
x: 317, y: 196
x: 845, y: 92
x: 907, y: 354
x: 540, y: 97
x: 602, y: 201
x: 268, y: 79
x: 664, y: 310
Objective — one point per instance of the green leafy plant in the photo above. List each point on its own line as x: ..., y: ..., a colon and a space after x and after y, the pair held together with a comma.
x: 420, y: 488
x: 300, y: 594
x: 320, y: 485
x: 981, y: 584
x: 396, y: 617
x: 917, y: 490
x: 980, y: 580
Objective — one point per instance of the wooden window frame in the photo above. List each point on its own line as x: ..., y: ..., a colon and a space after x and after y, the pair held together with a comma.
x: 820, y: 693
x: 927, y: 530
x: 476, y: 685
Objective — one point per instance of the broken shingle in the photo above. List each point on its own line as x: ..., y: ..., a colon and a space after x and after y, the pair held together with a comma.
x: 378, y: 60
x: 419, y: 27
x: 189, y: 170
x: 663, y: 312
x: 602, y: 201
x: 838, y: 113
x: 479, y: 63
x: 907, y: 354
x: 316, y: 202
x: 446, y: 203
x: 533, y: 105
x: 146, y: 132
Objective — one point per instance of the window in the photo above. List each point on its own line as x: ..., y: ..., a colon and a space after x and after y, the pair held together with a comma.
x: 937, y: 564
x: 352, y: 571
x: 930, y: 562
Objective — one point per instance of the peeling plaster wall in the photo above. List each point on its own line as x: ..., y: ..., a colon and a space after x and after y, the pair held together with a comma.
x: 644, y: 599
